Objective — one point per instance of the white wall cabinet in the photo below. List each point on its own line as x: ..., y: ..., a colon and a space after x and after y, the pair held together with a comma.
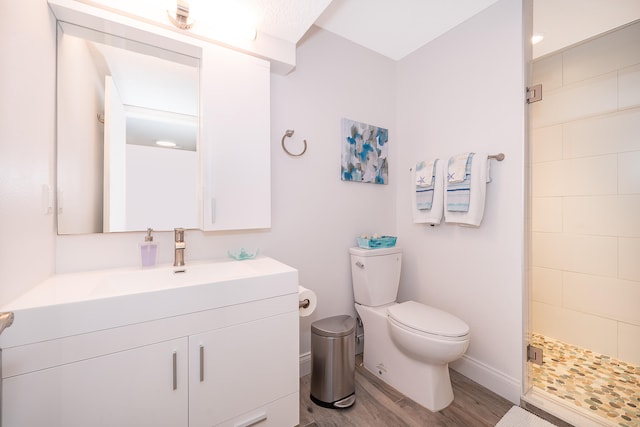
x: 235, y: 366
x: 234, y: 140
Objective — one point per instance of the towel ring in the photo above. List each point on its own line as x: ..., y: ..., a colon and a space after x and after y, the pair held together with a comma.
x: 289, y: 133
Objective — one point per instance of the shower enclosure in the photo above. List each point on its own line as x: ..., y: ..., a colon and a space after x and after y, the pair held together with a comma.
x: 584, y: 241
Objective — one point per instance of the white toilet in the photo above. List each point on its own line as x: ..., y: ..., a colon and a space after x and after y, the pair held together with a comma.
x: 408, y: 345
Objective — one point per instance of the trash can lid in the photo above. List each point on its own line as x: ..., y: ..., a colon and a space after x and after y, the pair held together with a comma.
x: 336, y: 326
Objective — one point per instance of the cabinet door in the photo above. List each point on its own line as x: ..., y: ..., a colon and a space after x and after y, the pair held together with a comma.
x: 128, y: 388
x: 235, y: 140
x: 243, y: 367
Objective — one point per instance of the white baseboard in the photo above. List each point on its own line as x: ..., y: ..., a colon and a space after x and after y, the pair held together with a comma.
x: 305, y: 364
x: 496, y: 381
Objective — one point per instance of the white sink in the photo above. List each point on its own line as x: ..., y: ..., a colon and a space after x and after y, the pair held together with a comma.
x: 69, y: 304
x: 167, y: 277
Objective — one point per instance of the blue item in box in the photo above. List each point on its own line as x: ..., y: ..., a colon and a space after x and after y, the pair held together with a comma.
x: 242, y: 254
x: 379, y: 242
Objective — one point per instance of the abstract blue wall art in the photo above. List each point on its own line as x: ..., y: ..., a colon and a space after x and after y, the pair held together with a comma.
x: 364, y: 152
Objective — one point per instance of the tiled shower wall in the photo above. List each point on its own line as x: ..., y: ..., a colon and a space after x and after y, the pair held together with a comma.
x: 585, y: 165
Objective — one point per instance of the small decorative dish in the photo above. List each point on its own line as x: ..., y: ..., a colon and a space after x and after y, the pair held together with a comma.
x: 377, y: 242
x: 242, y: 254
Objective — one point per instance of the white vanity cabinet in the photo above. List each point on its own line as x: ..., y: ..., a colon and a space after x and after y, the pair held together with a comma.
x: 127, y: 388
x: 254, y: 364
x: 214, y: 346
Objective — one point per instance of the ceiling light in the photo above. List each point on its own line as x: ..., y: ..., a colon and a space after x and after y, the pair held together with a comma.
x: 537, y: 38
x: 166, y: 144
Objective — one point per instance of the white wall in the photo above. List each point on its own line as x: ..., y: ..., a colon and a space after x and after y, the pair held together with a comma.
x: 316, y: 216
x: 585, y: 155
x: 27, y: 88
x: 464, y: 92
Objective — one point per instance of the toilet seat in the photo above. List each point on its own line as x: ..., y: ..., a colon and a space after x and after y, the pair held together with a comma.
x: 428, y: 321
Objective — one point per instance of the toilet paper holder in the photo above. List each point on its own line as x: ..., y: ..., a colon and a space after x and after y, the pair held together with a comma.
x: 306, y: 301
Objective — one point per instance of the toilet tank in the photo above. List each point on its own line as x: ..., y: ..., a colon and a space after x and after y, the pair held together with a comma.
x: 375, y: 275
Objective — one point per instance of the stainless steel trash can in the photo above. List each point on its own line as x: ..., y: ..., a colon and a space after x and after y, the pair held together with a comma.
x: 333, y: 361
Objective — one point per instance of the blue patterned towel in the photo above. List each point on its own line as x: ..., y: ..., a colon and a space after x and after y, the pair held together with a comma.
x: 425, y: 180
x: 459, y: 193
x: 457, y: 167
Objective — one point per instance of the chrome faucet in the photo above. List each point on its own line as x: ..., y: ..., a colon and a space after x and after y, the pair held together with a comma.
x: 6, y: 320
x: 179, y: 245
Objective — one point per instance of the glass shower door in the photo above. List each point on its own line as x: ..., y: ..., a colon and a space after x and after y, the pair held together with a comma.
x: 584, y: 277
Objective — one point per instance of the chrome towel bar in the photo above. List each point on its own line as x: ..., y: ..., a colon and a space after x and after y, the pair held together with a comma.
x: 499, y: 157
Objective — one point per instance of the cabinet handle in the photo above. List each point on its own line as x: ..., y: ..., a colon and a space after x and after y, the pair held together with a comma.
x: 213, y: 210
x: 252, y: 421
x: 201, y: 363
x: 175, y: 370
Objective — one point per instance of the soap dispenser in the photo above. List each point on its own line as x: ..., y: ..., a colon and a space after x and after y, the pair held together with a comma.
x: 148, y: 250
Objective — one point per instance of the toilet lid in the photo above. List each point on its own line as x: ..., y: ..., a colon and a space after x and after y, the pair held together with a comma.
x: 428, y: 319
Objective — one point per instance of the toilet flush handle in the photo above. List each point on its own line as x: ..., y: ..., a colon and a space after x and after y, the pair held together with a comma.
x: 359, y: 264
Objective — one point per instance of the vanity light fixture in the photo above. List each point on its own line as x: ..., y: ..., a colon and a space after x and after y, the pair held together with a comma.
x: 181, y: 18
x: 247, y: 33
x: 230, y: 21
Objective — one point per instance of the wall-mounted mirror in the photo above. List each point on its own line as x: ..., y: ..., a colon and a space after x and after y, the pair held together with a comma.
x: 127, y: 144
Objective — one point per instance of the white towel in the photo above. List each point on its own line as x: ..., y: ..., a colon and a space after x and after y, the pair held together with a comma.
x: 433, y: 215
x: 456, y: 171
x: 459, y: 192
x: 477, y: 195
x: 425, y: 173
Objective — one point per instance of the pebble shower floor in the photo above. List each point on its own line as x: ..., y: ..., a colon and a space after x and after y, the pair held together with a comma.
x: 598, y: 383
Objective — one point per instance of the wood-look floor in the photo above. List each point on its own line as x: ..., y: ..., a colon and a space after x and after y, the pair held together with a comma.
x: 378, y: 404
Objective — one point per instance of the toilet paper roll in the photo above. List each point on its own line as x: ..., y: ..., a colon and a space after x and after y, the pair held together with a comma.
x: 305, y: 295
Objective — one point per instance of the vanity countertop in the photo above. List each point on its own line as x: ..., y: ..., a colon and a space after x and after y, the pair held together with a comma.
x: 75, y: 303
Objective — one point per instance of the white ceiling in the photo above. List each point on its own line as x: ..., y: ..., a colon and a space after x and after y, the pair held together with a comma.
x: 567, y: 22
x: 395, y: 28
